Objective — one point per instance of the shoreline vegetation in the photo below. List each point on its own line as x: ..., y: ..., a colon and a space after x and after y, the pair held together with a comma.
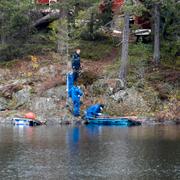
x: 131, y: 75
x: 37, y: 83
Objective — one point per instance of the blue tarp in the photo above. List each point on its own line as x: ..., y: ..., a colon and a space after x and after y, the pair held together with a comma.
x: 69, y: 82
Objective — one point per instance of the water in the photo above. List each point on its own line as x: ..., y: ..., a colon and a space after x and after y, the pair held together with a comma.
x: 90, y: 152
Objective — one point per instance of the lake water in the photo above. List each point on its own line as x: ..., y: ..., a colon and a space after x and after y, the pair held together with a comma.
x: 90, y: 152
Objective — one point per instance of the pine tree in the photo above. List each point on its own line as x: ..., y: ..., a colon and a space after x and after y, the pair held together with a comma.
x: 14, y: 27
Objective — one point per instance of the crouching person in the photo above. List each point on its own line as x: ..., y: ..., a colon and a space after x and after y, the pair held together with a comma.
x: 94, y: 111
x: 76, y: 94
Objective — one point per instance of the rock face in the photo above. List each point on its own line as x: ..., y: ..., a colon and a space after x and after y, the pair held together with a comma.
x: 58, y: 93
x: 23, y: 96
x: 4, y: 73
x: 41, y: 90
x: 48, y: 71
x: 10, y: 87
x: 120, y: 96
x: 3, y: 104
x: 51, y: 110
x: 42, y: 104
x: 107, y: 86
x: 136, y: 100
x: 115, y: 85
x: 131, y: 98
x: 6, y: 120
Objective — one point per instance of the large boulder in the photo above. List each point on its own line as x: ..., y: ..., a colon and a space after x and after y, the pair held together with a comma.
x: 58, y: 93
x: 7, y: 89
x: 120, y: 96
x: 132, y: 99
x: 115, y: 85
x: 107, y: 86
x: 42, y: 104
x: 23, y: 96
x: 3, y: 104
x: 136, y: 100
x: 54, y: 114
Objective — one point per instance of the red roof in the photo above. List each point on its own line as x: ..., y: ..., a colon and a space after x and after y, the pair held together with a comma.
x: 117, y: 4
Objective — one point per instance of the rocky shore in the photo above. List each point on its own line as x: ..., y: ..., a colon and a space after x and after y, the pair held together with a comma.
x: 38, y: 86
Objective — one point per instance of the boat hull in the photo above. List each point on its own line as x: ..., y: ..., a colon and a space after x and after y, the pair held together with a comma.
x: 113, y: 121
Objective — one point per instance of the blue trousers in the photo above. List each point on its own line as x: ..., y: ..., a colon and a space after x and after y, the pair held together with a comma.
x: 76, y: 108
x: 75, y: 74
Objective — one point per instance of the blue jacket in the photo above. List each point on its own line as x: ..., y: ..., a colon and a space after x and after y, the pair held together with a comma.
x: 93, y: 110
x: 76, y: 93
x: 76, y: 64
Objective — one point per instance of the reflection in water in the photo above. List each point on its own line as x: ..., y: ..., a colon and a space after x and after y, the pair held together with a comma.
x: 93, y: 130
x: 73, y: 135
x: 90, y: 152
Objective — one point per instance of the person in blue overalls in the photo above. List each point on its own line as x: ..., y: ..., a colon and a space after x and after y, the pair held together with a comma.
x: 75, y: 94
x: 94, y: 110
x: 76, y: 64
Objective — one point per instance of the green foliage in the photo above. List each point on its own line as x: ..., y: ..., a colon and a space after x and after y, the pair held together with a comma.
x: 112, y: 70
x: 170, y: 30
x: 15, y: 18
x: 170, y: 24
x: 169, y: 49
x: 18, y: 37
x: 95, y: 50
x: 140, y: 51
x: 107, y: 14
x: 14, y: 29
x: 139, y: 56
x: 53, y: 30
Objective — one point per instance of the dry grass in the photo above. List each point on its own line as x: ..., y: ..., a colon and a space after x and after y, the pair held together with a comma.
x: 170, y: 112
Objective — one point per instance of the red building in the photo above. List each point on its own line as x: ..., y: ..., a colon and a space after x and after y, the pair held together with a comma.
x: 143, y: 21
x: 115, y: 5
x: 45, y: 1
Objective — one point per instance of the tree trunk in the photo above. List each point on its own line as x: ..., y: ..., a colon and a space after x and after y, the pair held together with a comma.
x: 156, y: 55
x: 62, y: 40
x: 124, y: 54
x: 91, y: 26
x: 3, y: 37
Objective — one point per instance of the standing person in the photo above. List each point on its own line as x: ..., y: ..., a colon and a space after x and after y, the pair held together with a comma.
x: 76, y: 64
x: 75, y: 94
